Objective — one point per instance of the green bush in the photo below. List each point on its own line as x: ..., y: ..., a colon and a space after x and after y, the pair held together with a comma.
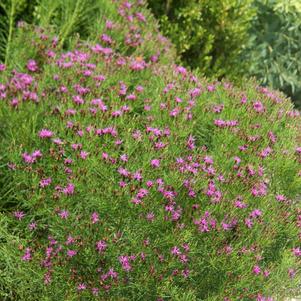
x: 67, y: 18
x: 274, y: 50
x: 209, y: 35
x: 229, y: 38
x: 124, y: 176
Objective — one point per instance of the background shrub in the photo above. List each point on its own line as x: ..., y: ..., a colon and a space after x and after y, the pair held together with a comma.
x: 209, y: 35
x: 274, y: 50
x: 237, y: 38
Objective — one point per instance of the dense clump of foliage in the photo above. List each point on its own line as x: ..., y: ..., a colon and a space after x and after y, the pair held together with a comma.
x: 220, y: 38
x: 233, y: 38
x: 274, y: 50
x: 65, y: 17
x: 209, y: 35
x: 124, y: 176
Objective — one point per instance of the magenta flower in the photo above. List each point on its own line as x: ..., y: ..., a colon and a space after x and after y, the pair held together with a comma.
x: 14, y: 102
x: 150, y: 216
x: 258, y: 106
x: 181, y: 70
x: 255, y: 213
x: 81, y: 287
x: 64, y: 214
x: 266, y: 273
x: 77, y: 99
x: 259, y: 189
x: 68, y: 161
x: 32, y: 65
x: 155, y: 163
x: 45, y: 133
x: 124, y: 260
x: 280, y: 198
x: 140, y: 17
x: 70, y: 240
x: 32, y: 226
x: 185, y: 273
x: 218, y: 108
x: 139, y: 88
x: 57, y: 141
x: 297, y: 252
x: 37, y: 154
x: 272, y: 137
x: 237, y: 160
x: 256, y: 270
x: 94, y: 217
x: 69, y: 189
x: 84, y: 155
x: 262, y: 298
x: 101, y: 246
x: 211, y: 88
x: 137, y: 176
x: 190, y: 142
x: 138, y: 65
x: 47, y: 278
x: 240, y: 204
x: 45, y: 182
x: 266, y: 152
x: 248, y: 223
x: 27, y: 255
x: 124, y: 158
x: 95, y: 291
x: 28, y: 158
x: 19, y: 215
x: 175, y: 251
x: 109, y: 24
x: 195, y: 92
x: 71, y: 253
x: 292, y: 273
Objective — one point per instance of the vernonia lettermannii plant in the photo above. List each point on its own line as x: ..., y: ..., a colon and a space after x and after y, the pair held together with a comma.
x: 126, y: 177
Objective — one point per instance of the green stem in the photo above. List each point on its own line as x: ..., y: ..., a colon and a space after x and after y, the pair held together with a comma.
x: 69, y: 25
x: 167, y: 7
x: 10, y: 30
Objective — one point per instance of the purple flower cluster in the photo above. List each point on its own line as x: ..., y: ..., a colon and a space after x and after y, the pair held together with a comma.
x: 132, y: 180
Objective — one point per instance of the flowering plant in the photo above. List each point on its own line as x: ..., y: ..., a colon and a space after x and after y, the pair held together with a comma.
x: 127, y: 177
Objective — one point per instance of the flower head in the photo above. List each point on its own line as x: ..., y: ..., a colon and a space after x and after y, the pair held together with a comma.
x: 45, y: 133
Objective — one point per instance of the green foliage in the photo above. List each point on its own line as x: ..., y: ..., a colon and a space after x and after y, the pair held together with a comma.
x: 67, y: 16
x: 10, y: 10
x: 167, y: 113
x: 220, y: 38
x: 209, y: 35
x: 274, y: 50
x: 226, y: 38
